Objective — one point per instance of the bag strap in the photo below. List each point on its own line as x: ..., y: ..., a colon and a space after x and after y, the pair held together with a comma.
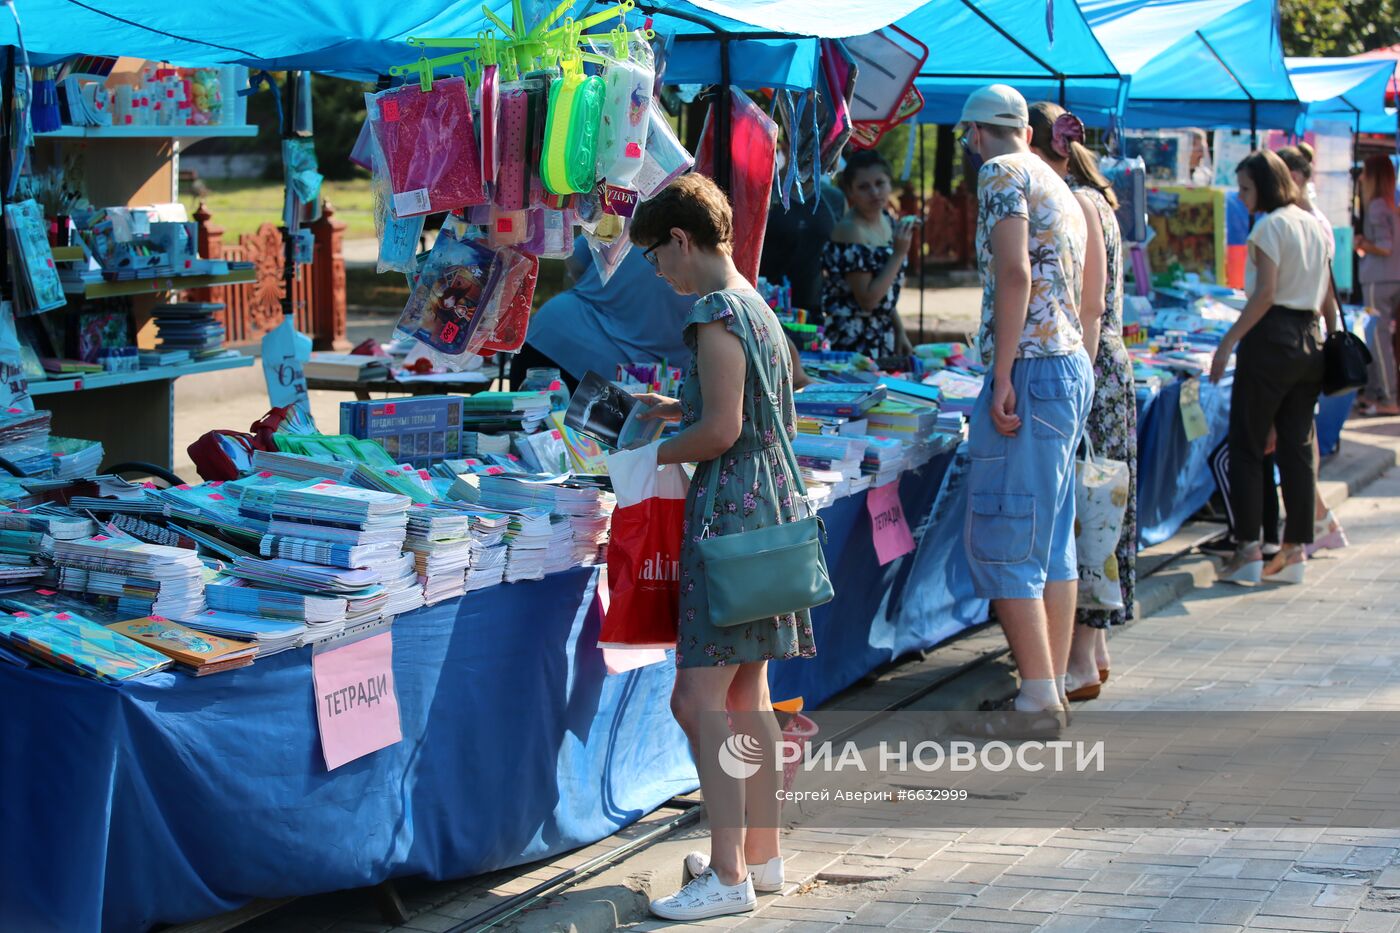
x: 761, y: 371
x: 1341, y: 309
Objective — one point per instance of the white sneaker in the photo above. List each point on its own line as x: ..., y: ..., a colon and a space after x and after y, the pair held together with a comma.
x: 769, y: 878
x: 706, y: 896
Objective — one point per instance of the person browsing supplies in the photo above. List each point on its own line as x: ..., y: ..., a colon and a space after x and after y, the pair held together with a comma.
x: 1032, y: 238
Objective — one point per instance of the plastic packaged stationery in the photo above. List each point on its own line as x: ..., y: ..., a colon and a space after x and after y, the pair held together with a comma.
x: 398, y: 237
x: 551, y: 234
x: 608, y: 254
x: 570, y: 158
x: 626, y: 117
x: 537, y: 86
x: 512, y: 133
x: 753, y: 148
x: 444, y: 307
x: 664, y: 159
x: 429, y: 144
x: 490, y: 96
x: 510, y: 289
x: 507, y: 228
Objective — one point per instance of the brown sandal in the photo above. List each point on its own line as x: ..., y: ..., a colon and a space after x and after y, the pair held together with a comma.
x: 1103, y: 676
x: 1086, y: 692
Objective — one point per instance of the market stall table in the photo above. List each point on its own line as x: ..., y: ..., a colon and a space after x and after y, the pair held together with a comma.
x: 171, y: 798
x: 451, y: 384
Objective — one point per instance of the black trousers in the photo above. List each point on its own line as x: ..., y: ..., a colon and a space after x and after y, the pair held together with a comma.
x: 1219, y: 461
x: 1278, y: 377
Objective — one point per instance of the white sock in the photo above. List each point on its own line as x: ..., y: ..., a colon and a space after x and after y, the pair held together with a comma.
x: 1037, y: 695
x: 1060, y: 689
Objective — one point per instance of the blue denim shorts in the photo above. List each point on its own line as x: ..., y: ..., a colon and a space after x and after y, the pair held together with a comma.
x: 1019, y: 531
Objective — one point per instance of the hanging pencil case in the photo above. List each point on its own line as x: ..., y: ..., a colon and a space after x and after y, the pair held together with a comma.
x: 622, y: 131
x: 490, y: 102
x: 513, y: 132
x: 429, y: 145
x: 537, y: 85
x: 570, y: 158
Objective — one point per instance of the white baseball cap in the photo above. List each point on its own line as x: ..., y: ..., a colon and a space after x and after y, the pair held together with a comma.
x: 998, y: 105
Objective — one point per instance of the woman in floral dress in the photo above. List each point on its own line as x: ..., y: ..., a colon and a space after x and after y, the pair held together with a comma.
x: 1057, y: 137
x: 863, y: 264
x: 736, y: 433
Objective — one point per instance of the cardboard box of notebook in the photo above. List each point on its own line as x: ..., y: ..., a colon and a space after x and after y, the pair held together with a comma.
x: 418, y: 430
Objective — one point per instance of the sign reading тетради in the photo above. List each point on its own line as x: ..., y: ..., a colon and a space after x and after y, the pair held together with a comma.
x: 887, y: 525
x: 356, y: 707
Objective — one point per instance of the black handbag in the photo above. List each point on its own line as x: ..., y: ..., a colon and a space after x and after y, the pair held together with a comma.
x: 1345, y: 356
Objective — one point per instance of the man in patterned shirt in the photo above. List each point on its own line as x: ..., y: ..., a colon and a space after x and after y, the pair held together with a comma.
x: 1028, y: 421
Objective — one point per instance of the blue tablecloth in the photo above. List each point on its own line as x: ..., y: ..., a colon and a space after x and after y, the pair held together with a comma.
x: 173, y: 798
x: 1174, y: 478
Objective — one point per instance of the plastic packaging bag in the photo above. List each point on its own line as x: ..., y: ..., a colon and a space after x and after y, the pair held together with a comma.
x: 510, y: 290
x: 664, y: 159
x: 507, y: 228
x: 490, y: 101
x: 1101, y: 499
x: 570, y: 158
x: 608, y: 254
x: 398, y: 238
x: 429, y: 145
x: 644, y: 551
x: 626, y: 117
x: 444, y: 308
x: 753, y: 146
x: 513, y: 132
x: 551, y: 234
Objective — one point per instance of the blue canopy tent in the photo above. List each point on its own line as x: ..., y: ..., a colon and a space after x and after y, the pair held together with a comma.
x: 1346, y: 89
x: 1215, y: 63
x: 1012, y: 42
x: 362, y: 41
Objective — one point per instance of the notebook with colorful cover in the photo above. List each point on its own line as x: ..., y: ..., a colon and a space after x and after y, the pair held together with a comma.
x: 186, y: 645
x: 71, y: 642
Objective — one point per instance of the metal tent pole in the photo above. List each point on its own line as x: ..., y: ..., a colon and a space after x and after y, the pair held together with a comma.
x: 923, y: 231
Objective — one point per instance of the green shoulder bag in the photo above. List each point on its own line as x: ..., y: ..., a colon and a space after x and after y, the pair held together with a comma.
x: 766, y: 572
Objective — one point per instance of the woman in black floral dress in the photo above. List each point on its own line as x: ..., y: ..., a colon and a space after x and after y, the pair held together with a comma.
x: 863, y: 264
x: 1112, y: 427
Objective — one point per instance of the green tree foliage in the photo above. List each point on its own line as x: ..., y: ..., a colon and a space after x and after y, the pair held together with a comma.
x: 1339, y: 27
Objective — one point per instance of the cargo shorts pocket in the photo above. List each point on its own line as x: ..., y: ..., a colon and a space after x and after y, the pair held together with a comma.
x: 1002, y: 527
x: 1054, y: 414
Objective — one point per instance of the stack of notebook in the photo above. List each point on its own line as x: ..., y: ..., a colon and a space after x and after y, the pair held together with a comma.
x: 24, y: 440
x: 321, y: 616
x: 441, y: 543
x: 189, y: 326
x: 197, y: 652
x: 75, y: 458
x: 71, y: 642
x: 495, y: 412
x: 146, y: 579
x: 528, y: 539
x: 328, y: 536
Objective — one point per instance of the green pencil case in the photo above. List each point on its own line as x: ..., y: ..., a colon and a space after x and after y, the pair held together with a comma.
x: 569, y: 159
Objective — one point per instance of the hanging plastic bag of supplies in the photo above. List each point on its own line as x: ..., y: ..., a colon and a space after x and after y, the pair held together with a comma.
x: 444, y: 308
x: 428, y: 140
x: 626, y: 116
x: 398, y: 237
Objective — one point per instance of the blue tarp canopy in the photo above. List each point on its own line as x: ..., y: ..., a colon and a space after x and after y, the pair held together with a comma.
x: 977, y: 42
x: 1214, y: 63
x: 363, y: 40
x: 1384, y: 122
x: 1347, y: 89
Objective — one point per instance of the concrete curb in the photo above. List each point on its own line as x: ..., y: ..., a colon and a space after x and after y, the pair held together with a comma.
x: 618, y: 896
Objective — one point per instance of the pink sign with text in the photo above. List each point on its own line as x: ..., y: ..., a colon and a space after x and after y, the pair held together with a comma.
x: 356, y: 706
x: 887, y: 525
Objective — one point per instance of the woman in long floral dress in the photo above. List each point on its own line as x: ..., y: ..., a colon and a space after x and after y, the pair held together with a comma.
x: 740, y: 436
x: 1057, y: 137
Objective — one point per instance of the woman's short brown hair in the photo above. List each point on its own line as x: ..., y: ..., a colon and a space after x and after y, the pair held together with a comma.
x: 1272, y: 183
x: 693, y: 203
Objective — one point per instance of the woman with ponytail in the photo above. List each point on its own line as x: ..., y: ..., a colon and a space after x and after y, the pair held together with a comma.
x: 1057, y: 136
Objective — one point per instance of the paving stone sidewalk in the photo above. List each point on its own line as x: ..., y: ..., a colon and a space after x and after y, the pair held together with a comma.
x: 1330, y: 645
